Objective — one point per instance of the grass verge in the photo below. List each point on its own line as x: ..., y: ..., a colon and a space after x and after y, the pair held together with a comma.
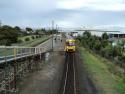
x: 32, y: 43
x: 29, y: 36
x: 35, y: 42
x: 105, y: 81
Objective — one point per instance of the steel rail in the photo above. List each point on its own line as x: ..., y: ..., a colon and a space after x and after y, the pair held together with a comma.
x: 72, y: 62
x: 74, y: 73
x: 64, y: 88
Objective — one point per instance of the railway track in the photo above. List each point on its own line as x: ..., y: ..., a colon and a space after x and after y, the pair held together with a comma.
x: 69, y: 80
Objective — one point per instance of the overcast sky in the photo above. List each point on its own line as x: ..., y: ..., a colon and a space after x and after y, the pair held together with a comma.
x: 65, y: 13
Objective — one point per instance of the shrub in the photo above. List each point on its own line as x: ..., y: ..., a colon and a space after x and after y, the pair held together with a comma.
x: 33, y: 37
x: 124, y: 79
x: 37, y: 36
x: 40, y: 36
x: 27, y: 39
x: 5, y: 42
x: 20, y: 41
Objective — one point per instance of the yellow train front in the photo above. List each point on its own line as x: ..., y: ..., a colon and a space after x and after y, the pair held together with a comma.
x: 70, y: 45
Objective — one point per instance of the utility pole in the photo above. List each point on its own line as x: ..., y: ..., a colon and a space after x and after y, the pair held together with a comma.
x: 15, y: 82
x: 56, y: 30
x: 52, y: 33
x: 56, y: 26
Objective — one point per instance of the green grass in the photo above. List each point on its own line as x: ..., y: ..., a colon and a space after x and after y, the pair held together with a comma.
x: 33, y: 42
x: 105, y: 81
x: 29, y: 36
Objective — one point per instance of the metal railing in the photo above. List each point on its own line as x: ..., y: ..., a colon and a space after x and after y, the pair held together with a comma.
x: 9, y: 53
x: 23, y: 61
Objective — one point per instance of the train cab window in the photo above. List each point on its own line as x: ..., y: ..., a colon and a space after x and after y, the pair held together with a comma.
x: 72, y: 44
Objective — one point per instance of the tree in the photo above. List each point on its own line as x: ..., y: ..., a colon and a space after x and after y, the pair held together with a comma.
x: 87, y: 34
x: 97, y: 45
x: 8, y: 35
x: 27, y: 39
x: 86, y: 38
x: 17, y: 28
x: 104, y: 39
x: 29, y: 30
x: 33, y: 37
x: 105, y: 36
x: 40, y: 31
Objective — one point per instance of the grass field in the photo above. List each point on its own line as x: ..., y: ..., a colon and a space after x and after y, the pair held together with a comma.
x: 23, y: 38
x: 98, y: 70
x: 32, y: 42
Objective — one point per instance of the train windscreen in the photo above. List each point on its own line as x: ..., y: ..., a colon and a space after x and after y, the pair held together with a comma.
x: 70, y: 44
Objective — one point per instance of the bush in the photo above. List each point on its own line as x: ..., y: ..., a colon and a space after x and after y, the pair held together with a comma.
x: 37, y: 36
x: 27, y: 39
x: 124, y: 79
x: 122, y: 58
x: 5, y: 42
x: 40, y: 36
x: 8, y: 35
x: 20, y: 41
x: 33, y: 37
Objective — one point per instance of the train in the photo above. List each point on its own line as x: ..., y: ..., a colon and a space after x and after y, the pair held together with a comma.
x: 70, y: 45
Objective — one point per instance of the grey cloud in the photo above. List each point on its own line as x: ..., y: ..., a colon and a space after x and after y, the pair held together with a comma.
x: 22, y: 13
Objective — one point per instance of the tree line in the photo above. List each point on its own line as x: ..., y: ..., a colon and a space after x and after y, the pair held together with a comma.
x: 102, y: 46
x: 9, y: 34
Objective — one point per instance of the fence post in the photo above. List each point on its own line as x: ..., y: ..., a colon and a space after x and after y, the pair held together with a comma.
x: 14, y: 50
